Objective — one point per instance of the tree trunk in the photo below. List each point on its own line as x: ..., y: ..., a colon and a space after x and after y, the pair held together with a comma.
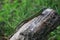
x: 39, y: 27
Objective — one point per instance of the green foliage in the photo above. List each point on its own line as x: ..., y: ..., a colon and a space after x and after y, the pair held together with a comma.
x: 12, y: 12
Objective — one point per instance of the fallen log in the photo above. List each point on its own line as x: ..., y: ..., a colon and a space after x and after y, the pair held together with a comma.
x: 39, y: 27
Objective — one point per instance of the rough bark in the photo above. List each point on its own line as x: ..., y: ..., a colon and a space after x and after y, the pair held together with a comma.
x: 39, y: 27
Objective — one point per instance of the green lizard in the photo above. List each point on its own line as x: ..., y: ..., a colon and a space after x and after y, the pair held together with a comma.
x: 27, y: 19
x: 31, y: 17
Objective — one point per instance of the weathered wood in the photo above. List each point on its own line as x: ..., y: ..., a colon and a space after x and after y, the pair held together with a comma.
x: 39, y: 27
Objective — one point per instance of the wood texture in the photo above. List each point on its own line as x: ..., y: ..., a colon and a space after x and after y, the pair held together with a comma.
x: 39, y: 27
